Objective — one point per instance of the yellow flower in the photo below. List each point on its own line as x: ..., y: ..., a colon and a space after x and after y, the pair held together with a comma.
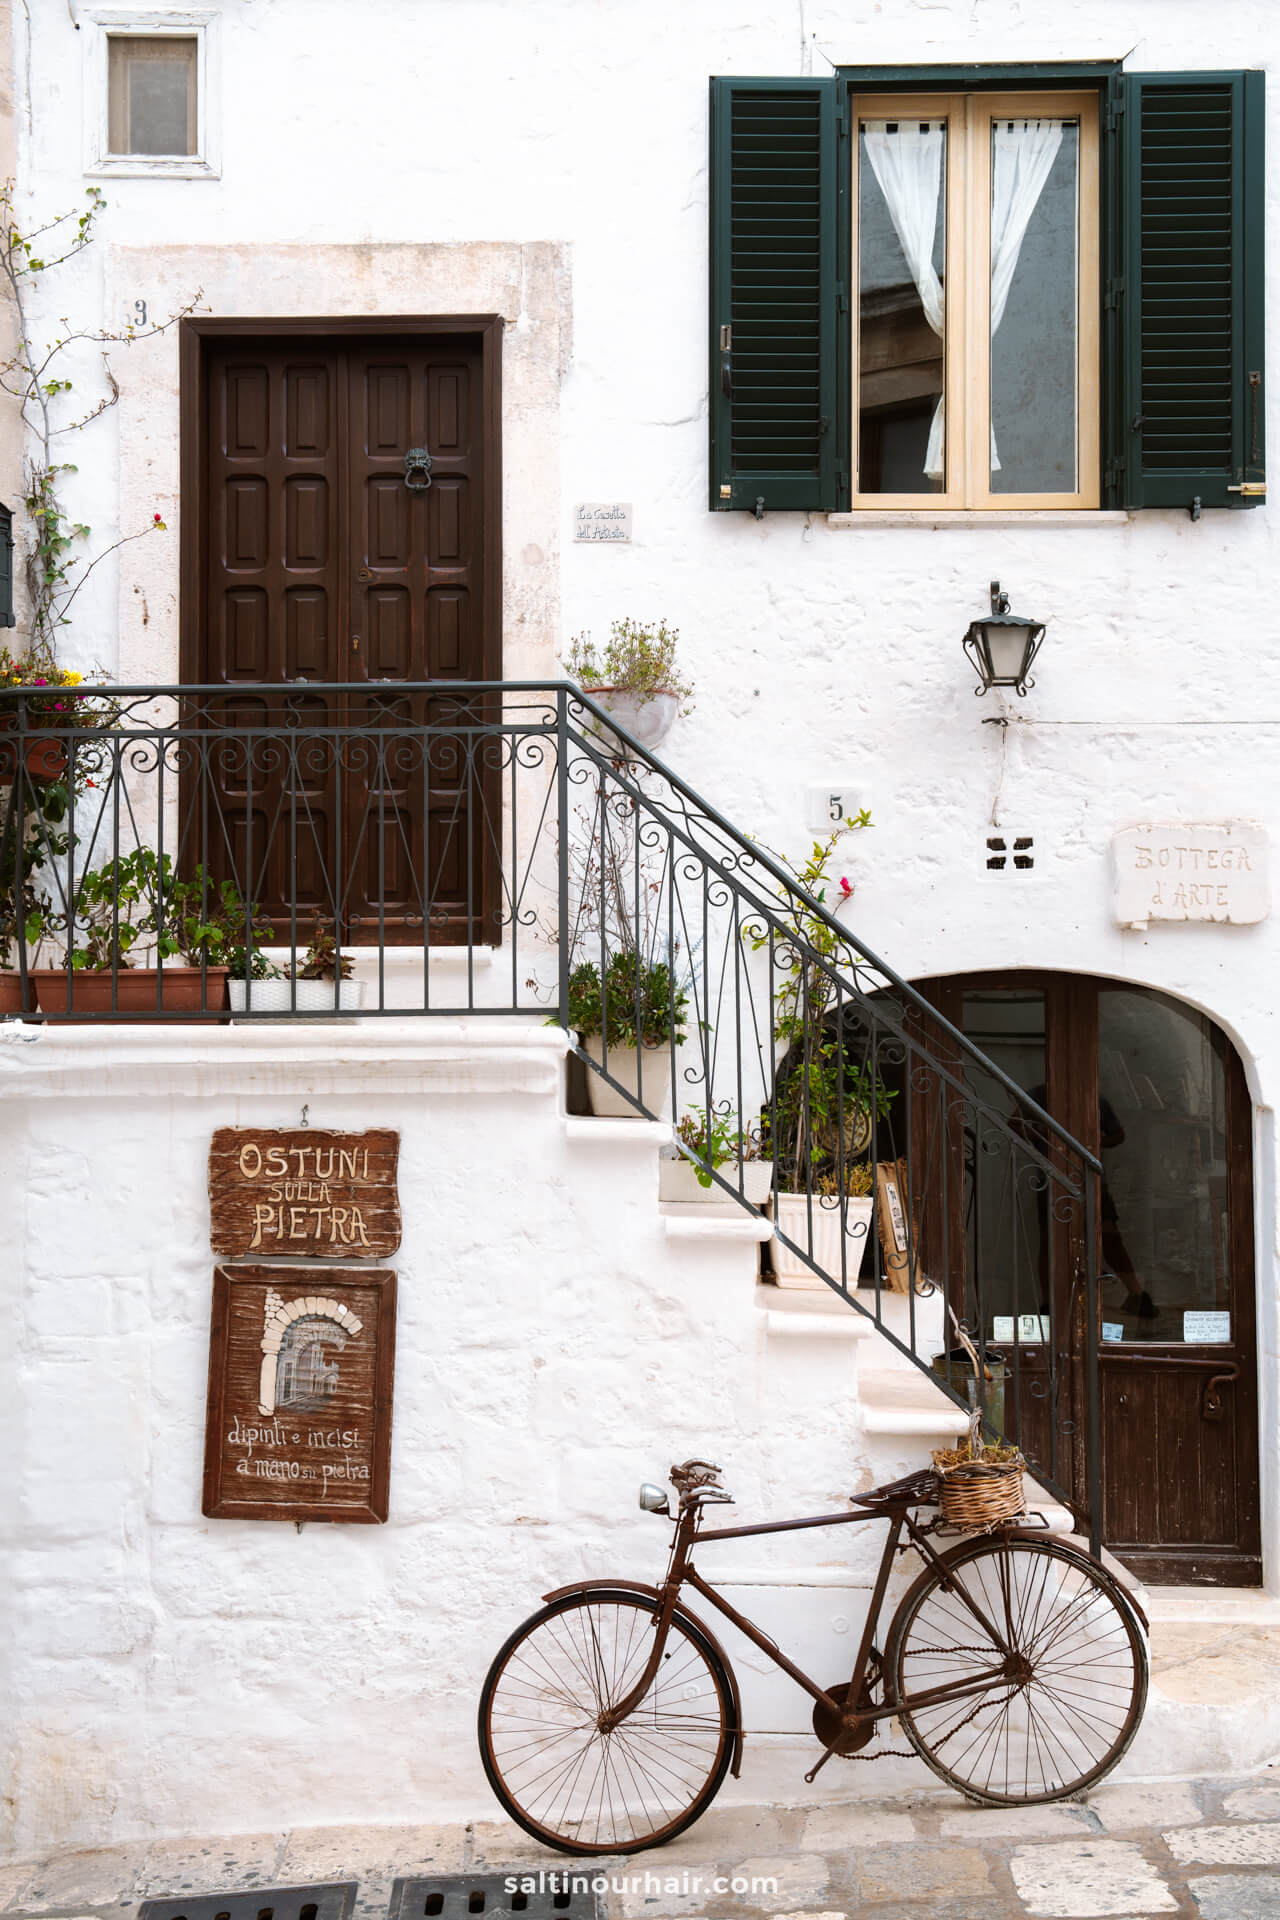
x: 71, y: 679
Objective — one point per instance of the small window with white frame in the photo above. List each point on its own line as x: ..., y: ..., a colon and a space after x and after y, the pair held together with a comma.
x: 150, y: 92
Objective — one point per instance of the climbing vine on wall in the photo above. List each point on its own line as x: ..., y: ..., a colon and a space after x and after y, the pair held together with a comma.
x: 37, y: 375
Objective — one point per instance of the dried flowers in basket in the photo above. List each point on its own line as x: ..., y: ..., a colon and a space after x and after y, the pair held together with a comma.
x: 979, y: 1482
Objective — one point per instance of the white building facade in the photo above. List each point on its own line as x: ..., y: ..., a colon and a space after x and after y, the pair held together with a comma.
x: 557, y: 204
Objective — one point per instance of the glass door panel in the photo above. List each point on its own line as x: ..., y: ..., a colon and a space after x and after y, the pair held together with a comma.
x: 1007, y: 1274
x: 902, y: 261
x: 1163, y: 1122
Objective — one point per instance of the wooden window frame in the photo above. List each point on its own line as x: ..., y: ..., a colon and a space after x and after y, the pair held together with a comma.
x: 967, y: 295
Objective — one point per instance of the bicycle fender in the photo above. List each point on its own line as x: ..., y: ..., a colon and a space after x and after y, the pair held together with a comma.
x: 681, y: 1612
x: 1130, y: 1598
x: 1038, y: 1533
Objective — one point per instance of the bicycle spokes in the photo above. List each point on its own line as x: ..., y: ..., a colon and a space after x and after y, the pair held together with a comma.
x: 1046, y: 1714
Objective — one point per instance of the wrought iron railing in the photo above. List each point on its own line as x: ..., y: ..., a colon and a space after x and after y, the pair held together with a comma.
x: 508, y: 849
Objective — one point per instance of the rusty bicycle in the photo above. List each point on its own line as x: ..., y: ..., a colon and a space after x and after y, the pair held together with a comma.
x: 1015, y: 1664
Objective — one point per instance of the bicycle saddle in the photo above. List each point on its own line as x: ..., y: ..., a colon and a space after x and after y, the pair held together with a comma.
x: 913, y: 1490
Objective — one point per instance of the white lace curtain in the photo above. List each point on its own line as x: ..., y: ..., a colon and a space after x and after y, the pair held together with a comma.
x: 907, y: 164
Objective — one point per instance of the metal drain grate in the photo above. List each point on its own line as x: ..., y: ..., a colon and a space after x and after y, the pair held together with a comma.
x: 537, y: 1893
x: 332, y: 1901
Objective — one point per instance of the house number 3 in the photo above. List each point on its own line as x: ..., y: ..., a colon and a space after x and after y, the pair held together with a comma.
x: 140, y: 313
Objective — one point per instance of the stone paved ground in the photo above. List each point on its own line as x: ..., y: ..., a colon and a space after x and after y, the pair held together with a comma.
x: 1208, y: 1849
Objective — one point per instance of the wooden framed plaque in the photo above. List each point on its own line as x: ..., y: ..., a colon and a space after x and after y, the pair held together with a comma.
x: 304, y: 1192
x: 301, y: 1374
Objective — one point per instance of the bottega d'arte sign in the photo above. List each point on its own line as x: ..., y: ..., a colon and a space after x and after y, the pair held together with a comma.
x: 1172, y: 872
x: 301, y: 1372
x: 304, y: 1192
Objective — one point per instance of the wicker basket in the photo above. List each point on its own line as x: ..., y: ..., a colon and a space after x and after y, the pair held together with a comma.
x: 985, y: 1491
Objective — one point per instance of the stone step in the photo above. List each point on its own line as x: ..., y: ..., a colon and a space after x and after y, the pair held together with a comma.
x: 900, y: 1401
x: 581, y: 1130
x: 711, y: 1223
x: 810, y: 1316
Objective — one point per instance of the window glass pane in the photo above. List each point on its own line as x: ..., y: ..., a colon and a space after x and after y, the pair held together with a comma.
x: 151, y: 95
x: 1008, y: 1270
x: 902, y: 238
x: 1163, y: 1133
x: 1035, y: 167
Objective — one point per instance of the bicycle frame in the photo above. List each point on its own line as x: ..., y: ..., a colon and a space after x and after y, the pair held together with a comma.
x: 847, y: 1720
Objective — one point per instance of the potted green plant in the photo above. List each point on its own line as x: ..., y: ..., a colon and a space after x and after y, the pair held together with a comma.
x: 633, y: 675
x: 820, y: 1122
x: 322, y: 979
x: 137, y: 902
x: 629, y: 1022
x: 715, y: 1141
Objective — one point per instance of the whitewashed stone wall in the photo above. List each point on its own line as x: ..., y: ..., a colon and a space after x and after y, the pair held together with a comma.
x: 555, y: 1346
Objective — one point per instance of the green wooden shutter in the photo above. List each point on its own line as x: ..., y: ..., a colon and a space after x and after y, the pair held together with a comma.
x: 6, y: 567
x: 776, y: 429
x: 1192, y: 289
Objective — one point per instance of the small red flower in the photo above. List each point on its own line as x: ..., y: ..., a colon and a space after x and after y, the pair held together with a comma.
x: 845, y: 886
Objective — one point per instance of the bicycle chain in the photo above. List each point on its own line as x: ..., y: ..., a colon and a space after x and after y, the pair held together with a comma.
x: 909, y: 1753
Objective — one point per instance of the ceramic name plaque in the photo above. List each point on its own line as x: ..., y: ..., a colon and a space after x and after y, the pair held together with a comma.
x: 1172, y: 872
x: 303, y: 1191
x: 301, y: 1375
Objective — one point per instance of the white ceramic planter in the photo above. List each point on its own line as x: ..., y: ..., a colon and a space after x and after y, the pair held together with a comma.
x: 277, y: 996
x: 678, y: 1183
x: 648, y: 721
x: 792, y: 1216
x: 624, y: 1066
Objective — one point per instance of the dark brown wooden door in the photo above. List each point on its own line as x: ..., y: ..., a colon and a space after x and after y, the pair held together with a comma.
x: 1158, y: 1092
x: 325, y: 559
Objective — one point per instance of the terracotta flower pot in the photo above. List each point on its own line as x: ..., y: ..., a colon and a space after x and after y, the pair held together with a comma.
x: 100, y: 996
x: 44, y: 757
x: 11, y: 994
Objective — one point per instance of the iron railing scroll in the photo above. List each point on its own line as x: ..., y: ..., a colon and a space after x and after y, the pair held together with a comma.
x: 509, y: 850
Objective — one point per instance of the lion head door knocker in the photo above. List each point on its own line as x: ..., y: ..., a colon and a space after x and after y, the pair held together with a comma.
x: 417, y: 469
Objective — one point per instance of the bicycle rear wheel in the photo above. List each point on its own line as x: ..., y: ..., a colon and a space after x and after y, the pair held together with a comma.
x: 1062, y: 1656
x: 557, y: 1774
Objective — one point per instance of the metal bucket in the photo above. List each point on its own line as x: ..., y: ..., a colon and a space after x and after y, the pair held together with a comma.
x: 956, y: 1369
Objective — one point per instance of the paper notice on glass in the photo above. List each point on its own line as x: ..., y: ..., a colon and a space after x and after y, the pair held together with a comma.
x: 1206, y: 1329
x: 1113, y: 1330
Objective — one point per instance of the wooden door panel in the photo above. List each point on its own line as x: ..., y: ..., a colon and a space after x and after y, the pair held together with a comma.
x: 322, y: 564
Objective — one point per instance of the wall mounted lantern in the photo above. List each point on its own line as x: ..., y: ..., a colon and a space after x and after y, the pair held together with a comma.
x: 1002, y: 645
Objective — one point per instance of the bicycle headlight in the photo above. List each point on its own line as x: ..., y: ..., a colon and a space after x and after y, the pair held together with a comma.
x: 653, y: 1499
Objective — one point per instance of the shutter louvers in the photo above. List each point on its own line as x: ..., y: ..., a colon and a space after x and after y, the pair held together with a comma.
x: 774, y: 432
x: 1193, y: 188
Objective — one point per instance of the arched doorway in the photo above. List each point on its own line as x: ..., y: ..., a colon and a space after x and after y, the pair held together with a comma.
x: 1158, y: 1092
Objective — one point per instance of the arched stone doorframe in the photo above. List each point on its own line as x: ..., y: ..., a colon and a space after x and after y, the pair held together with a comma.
x: 1264, y: 1145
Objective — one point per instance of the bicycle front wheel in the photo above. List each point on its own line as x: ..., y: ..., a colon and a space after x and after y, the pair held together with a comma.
x: 1043, y: 1663
x: 557, y: 1773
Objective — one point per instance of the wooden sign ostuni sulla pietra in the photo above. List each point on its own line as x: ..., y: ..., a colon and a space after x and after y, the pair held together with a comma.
x: 301, y: 1366
x: 304, y: 1192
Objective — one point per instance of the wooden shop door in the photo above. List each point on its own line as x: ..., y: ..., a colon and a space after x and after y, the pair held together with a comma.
x: 1157, y: 1091
x: 346, y: 533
